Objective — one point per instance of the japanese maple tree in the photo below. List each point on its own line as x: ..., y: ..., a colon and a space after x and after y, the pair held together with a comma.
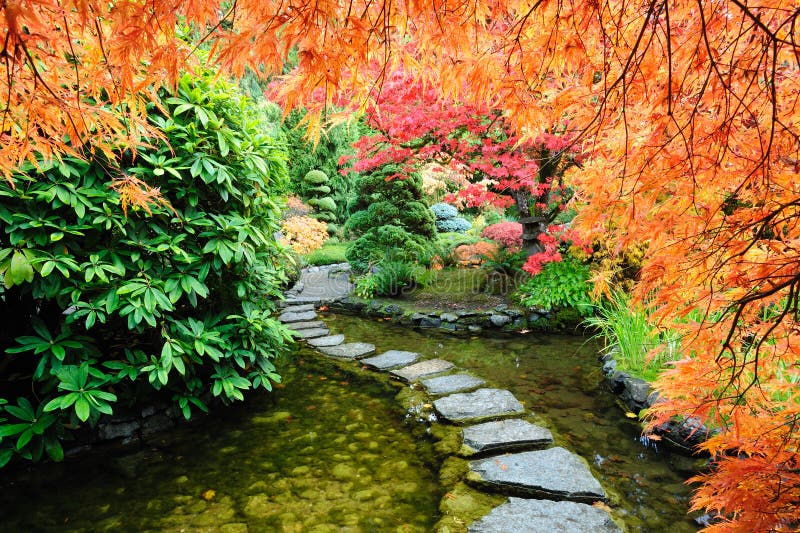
x: 413, y: 125
x: 687, y: 113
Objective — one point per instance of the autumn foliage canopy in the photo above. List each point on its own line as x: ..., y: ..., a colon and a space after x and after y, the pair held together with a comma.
x: 686, y: 113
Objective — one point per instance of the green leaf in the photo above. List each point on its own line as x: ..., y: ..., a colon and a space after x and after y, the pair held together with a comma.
x: 19, y: 271
x: 5, y: 456
x: 82, y: 409
x: 54, y: 449
x: 223, y: 144
x: 12, y: 429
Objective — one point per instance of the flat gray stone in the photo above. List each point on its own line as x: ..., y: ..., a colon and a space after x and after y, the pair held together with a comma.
x: 313, y: 324
x: 504, y: 436
x: 301, y: 300
x: 289, y: 316
x: 299, y: 308
x: 545, y: 516
x: 391, y: 359
x: 351, y: 350
x: 330, y: 340
x: 554, y: 473
x: 311, y: 333
x: 481, y: 404
x: 423, y: 369
x: 452, y: 383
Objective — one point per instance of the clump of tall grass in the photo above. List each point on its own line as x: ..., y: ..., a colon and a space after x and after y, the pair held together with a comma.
x: 636, y: 344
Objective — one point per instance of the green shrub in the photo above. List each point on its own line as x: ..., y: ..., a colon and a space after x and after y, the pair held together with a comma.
x: 378, y: 243
x: 380, y: 185
x: 560, y: 285
x: 101, y: 308
x: 504, y: 261
x: 391, y: 278
x: 414, y: 217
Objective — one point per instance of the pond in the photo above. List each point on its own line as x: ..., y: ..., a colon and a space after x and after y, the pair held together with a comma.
x: 329, y: 452
x: 559, y: 378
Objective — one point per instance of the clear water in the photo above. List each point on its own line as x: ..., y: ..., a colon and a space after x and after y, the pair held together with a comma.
x: 331, y: 453
x: 325, y: 453
x: 559, y: 378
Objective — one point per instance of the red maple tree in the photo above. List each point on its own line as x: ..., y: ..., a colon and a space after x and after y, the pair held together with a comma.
x: 414, y: 124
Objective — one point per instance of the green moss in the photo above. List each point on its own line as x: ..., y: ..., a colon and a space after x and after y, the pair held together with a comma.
x: 448, y: 439
x: 463, y: 505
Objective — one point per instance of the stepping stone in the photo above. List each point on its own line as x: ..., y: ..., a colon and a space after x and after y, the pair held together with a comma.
x: 554, y: 473
x: 300, y: 300
x: 311, y: 333
x: 451, y: 384
x: 351, y: 350
x: 545, y: 516
x: 314, y: 324
x: 422, y: 369
x: 391, y: 359
x: 481, y: 404
x: 289, y: 316
x: 504, y: 436
x: 330, y: 340
x: 299, y: 308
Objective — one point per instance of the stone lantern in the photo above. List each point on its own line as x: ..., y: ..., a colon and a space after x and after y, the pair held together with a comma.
x: 532, y: 227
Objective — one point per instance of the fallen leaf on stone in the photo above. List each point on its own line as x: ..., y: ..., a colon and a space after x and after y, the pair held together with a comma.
x: 601, y: 505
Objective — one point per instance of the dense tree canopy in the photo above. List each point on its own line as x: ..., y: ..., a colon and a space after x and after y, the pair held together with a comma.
x: 412, y: 125
x: 687, y: 110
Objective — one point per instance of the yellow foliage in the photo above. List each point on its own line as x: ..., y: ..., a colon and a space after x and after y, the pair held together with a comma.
x: 304, y: 234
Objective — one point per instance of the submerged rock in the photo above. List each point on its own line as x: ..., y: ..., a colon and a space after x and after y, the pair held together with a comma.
x: 504, y: 435
x: 553, y: 473
x: 544, y: 516
x: 481, y: 404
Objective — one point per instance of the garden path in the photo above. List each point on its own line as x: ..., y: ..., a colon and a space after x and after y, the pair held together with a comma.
x: 549, y: 488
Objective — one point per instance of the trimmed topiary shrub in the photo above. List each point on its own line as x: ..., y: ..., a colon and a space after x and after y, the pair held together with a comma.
x: 447, y: 219
x: 378, y: 243
x: 317, y: 191
x: 453, y: 225
x: 444, y: 211
x: 315, y: 178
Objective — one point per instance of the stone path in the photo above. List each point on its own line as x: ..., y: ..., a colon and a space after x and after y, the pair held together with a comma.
x: 549, y: 488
